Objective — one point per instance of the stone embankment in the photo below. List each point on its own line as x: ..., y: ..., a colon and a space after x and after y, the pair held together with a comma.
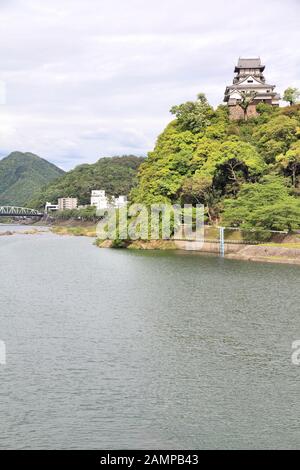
x: 268, y: 253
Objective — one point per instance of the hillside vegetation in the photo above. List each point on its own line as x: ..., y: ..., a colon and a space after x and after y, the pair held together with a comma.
x: 22, y: 174
x: 246, y: 173
x: 116, y: 175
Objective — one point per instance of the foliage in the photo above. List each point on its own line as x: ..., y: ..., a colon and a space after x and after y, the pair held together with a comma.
x: 247, y: 98
x: 22, y: 174
x: 276, y: 136
x: 290, y: 162
x: 193, y: 116
x: 199, y: 189
x: 220, y: 160
x: 88, y: 213
x: 115, y: 175
x: 291, y: 95
x: 265, y: 205
x: 234, y: 162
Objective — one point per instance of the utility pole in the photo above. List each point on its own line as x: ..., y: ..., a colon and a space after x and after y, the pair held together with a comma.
x: 222, y: 241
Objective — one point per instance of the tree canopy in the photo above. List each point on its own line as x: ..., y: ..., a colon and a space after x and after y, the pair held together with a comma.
x: 204, y: 157
x: 291, y: 95
x: 267, y: 205
x: 194, y: 115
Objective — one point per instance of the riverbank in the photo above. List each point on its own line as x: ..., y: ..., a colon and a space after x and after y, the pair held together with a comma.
x: 77, y: 231
x: 24, y: 229
x: 285, y: 252
x: 17, y: 230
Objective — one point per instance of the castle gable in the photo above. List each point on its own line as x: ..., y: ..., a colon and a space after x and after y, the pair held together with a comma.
x: 235, y: 94
x: 250, y: 81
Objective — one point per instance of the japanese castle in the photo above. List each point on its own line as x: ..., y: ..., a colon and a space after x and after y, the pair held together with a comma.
x: 249, y: 78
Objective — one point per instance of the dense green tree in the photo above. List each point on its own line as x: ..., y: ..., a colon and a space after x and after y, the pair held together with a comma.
x: 233, y: 163
x: 291, y: 95
x: 290, y: 162
x: 223, y: 159
x: 88, y: 213
x: 276, y: 136
x: 266, y: 205
x: 247, y: 97
x: 162, y: 174
x: 200, y: 190
x: 194, y: 116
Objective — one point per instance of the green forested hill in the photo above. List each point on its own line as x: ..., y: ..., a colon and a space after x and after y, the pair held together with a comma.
x: 117, y: 175
x: 22, y: 174
x: 246, y: 173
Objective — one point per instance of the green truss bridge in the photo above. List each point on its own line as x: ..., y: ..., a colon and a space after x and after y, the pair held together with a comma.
x: 13, y: 211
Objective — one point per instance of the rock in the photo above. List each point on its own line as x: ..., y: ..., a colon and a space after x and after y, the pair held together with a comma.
x: 7, y: 233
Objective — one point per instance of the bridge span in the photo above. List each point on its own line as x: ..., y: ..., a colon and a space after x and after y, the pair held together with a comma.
x: 13, y: 211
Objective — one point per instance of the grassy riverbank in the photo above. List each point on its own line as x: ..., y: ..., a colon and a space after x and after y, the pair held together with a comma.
x: 89, y: 231
x: 287, y: 253
x: 286, y: 250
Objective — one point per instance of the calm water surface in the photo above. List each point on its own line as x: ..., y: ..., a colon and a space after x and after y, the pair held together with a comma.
x: 120, y: 349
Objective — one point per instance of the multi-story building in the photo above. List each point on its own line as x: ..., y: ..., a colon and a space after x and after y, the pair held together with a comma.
x: 67, y: 203
x: 249, y: 81
x: 101, y: 201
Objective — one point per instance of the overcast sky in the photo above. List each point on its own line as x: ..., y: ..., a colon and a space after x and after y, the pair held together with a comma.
x: 92, y: 78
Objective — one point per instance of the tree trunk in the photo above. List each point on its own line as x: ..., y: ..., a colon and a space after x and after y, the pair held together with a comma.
x: 209, y: 215
x: 234, y: 178
x: 294, y: 176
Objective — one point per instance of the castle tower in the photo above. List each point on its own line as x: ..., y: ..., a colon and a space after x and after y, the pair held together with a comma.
x: 250, y: 79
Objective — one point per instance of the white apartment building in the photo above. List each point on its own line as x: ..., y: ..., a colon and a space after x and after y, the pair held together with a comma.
x: 101, y: 201
x: 98, y: 199
x: 67, y: 203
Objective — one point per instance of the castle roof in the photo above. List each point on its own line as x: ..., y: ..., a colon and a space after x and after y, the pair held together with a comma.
x: 254, y: 85
x: 252, y: 63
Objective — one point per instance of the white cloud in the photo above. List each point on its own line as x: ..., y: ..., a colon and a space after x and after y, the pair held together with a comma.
x: 91, y: 78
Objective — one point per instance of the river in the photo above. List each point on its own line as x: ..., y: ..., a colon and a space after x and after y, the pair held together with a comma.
x: 111, y: 349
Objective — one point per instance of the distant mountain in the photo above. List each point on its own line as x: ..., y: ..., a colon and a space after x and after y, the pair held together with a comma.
x: 22, y: 174
x: 117, y: 175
